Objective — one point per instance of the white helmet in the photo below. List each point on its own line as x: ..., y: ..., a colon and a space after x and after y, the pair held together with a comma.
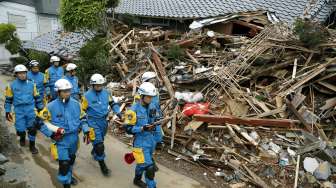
x: 20, y: 68
x: 54, y: 58
x: 71, y: 67
x: 147, y: 89
x: 97, y: 79
x: 33, y: 63
x: 147, y: 76
x: 62, y: 84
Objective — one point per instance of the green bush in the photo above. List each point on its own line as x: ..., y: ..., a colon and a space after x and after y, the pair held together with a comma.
x: 92, y: 47
x: 18, y: 60
x: 93, y: 58
x: 9, y: 38
x: 175, y: 52
x: 87, y: 67
x: 310, y: 33
x: 82, y: 14
x: 112, y: 3
x: 42, y: 57
x: 6, y: 32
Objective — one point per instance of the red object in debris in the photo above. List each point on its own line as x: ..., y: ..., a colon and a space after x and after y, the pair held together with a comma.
x: 129, y: 158
x: 190, y: 109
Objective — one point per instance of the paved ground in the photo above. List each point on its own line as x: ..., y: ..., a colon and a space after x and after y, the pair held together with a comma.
x: 41, y: 170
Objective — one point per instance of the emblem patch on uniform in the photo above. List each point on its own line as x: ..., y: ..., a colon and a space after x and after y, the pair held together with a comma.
x: 45, y: 114
x: 129, y: 117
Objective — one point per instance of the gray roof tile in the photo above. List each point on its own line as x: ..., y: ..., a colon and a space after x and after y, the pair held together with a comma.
x: 286, y: 10
x: 59, y: 42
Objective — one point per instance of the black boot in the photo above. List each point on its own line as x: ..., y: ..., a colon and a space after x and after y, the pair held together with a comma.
x: 74, y: 181
x: 156, y: 168
x: 159, y: 146
x: 138, y: 182
x: 104, y: 169
x: 23, y: 139
x: 66, y: 185
x: 32, y: 147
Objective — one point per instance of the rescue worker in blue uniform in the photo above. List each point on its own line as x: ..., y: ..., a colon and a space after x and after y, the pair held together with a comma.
x: 70, y: 75
x: 152, y: 78
x: 66, y: 113
x: 52, y: 74
x: 138, y: 121
x: 97, y: 103
x: 24, y: 96
x: 36, y: 76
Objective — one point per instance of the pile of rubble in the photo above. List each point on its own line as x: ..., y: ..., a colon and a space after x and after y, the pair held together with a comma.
x: 252, y: 111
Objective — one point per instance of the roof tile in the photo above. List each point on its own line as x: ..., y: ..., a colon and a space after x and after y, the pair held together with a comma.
x: 286, y: 10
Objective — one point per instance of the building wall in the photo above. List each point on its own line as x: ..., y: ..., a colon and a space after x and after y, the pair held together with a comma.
x: 29, y: 24
x: 47, y: 6
x: 4, y: 54
x: 47, y: 23
x: 23, y: 2
x: 29, y: 30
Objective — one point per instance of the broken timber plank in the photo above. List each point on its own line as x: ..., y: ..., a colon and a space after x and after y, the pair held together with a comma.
x: 193, y: 59
x: 245, y: 121
x: 329, y: 104
x: 272, y: 112
x: 234, y: 135
x: 173, y: 127
x: 298, y: 99
x: 256, y: 178
x: 280, y: 104
x: 298, y: 115
x: 157, y: 62
x: 327, y: 85
x: 244, y: 134
x: 314, y: 73
x: 121, y: 40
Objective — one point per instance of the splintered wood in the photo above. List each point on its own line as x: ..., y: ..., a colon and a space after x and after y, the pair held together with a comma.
x: 271, y: 100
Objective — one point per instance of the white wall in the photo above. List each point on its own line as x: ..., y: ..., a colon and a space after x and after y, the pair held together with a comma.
x: 48, y: 23
x: 31, y: 29
x: 4, y: 54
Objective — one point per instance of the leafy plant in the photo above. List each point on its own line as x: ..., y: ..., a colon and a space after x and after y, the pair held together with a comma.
x: 9, y: 38
x: 92, y: 47
x: 112, y: 3
x: 84, y: 14
x: 309, y: 32
x: 175, y: 52
x: 18, y: 60
x: 93, y: 59
x: 42, y: 57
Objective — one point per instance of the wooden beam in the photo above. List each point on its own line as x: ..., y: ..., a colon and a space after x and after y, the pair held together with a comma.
x: 122, y: 39
x: 249, y: 25
x: 298, y: 115
x: 312, y: 75
x: 162, y: 71
x: 245, y: 121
